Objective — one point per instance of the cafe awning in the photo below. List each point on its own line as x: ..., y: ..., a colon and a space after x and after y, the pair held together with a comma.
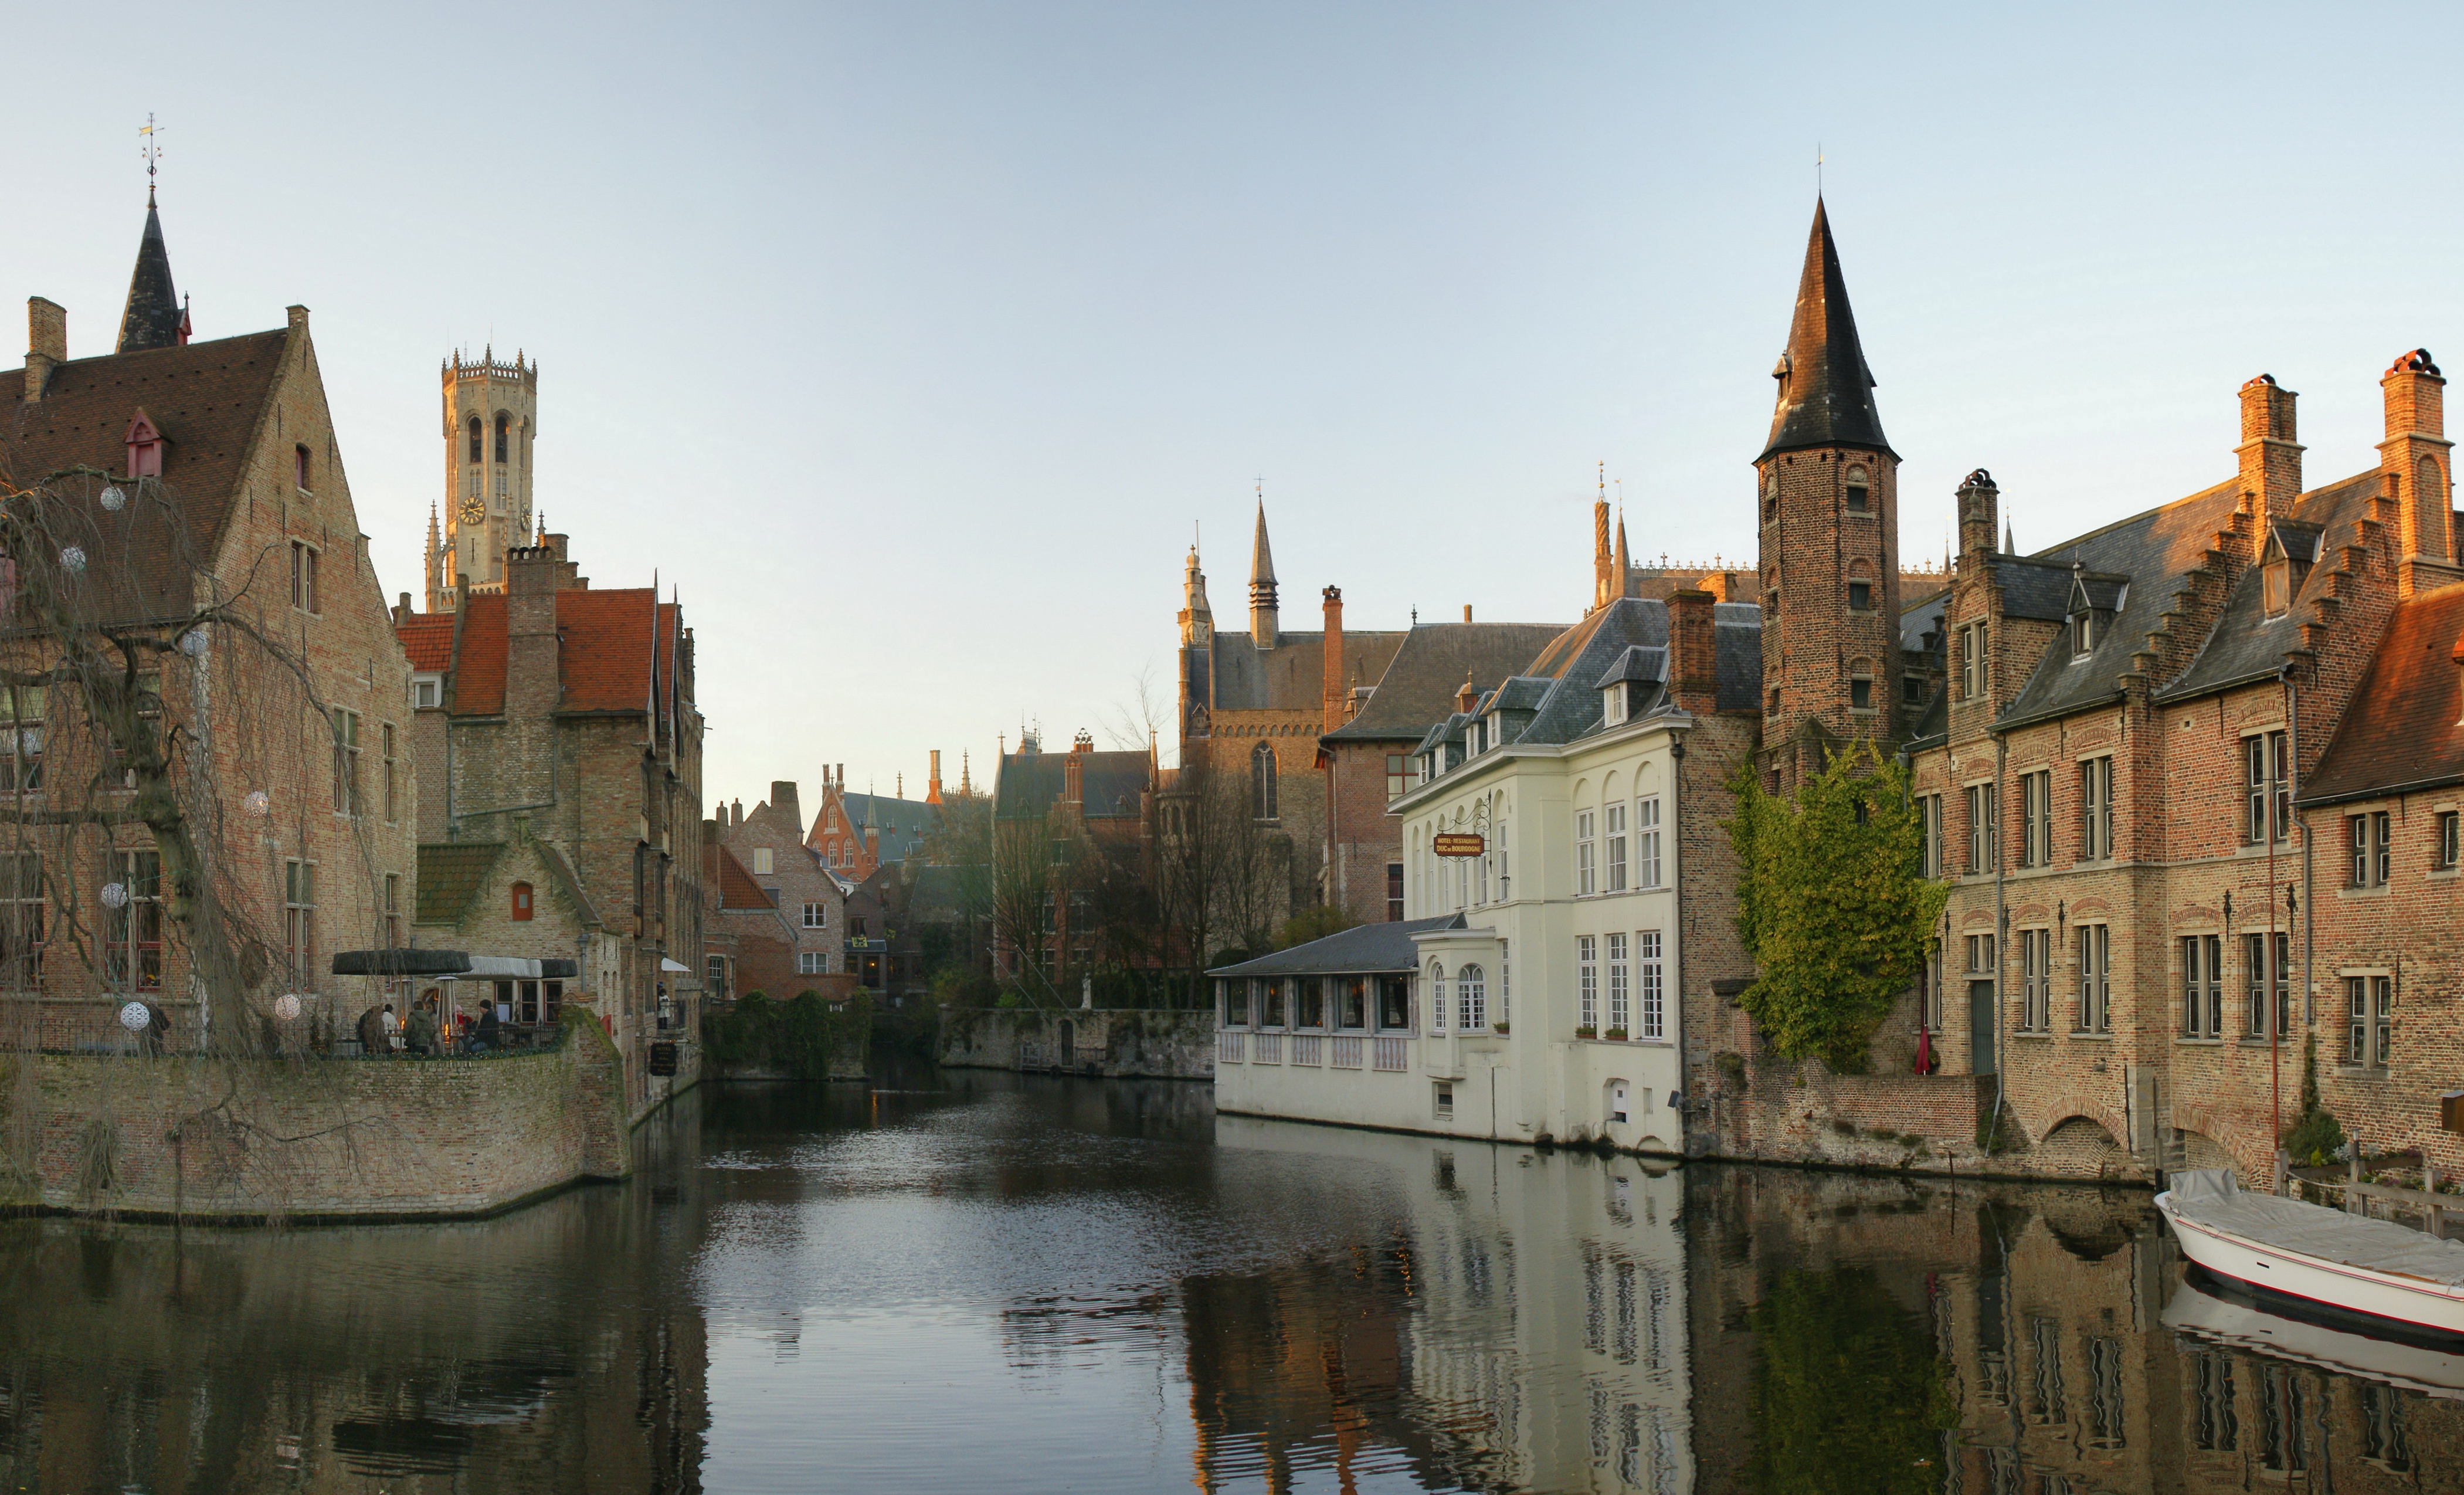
x: 450, y: 964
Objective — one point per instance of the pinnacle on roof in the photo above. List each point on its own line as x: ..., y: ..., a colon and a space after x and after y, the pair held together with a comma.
x: 1262, y: 563
x: 1826, y: 392
x: 153, y: 319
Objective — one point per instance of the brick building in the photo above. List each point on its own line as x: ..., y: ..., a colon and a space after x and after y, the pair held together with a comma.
x: 1064, y: 827
x: 811, y: 898
x: 857, y: 834
x: 2124, y: 744
x: 210, y: 526
x: 748, y: 944
x: 561, y: 736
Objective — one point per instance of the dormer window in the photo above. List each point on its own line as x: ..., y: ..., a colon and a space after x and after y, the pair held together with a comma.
x: 2083, y: 632
x: 144, y: 447
x: 1613, y: 702
x: 2276, y: 581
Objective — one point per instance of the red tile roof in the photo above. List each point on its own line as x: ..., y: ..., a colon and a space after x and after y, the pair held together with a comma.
x: 604, y: 650
x: 428, y: 638
x: 737, y: 888
x: 2403, y: 730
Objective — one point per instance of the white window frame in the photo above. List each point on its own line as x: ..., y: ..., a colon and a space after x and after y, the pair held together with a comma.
x: 1651, y: 1013
x: 1614, y: 815
x: 1583, y: 871
x: 1646, y: 824
x: 1586, y: 968
x: 1620, y: 1018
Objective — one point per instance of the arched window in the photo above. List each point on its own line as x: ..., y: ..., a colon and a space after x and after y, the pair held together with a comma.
x: 1261, y: 781
x: 478, y: 439
x: 1471, y: 998
x: 504, y: 434
x: 1859, y: 499
x: 522, y: 900
x: 1436, y: 997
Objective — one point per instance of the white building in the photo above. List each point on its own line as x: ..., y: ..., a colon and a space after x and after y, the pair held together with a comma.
x: 1539, y: 995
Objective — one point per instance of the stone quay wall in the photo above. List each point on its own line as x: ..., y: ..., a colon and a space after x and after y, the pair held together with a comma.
x: 1115, y: 1042
x: 208, y: 1139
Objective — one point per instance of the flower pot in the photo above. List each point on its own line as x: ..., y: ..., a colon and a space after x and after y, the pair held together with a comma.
x: 1498, y: 1028
x: 1617, y: 1035
x: 1587, y: 1033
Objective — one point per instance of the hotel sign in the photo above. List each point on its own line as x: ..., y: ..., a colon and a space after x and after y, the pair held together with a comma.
x: 1458, y: 844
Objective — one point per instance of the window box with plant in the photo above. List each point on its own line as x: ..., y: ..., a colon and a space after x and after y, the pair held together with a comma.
x: 1586, y: 1032
x: 1615, y: 1035
x: 1498, y: 1027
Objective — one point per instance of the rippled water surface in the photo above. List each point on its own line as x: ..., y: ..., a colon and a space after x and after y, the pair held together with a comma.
x: 970, y: 1281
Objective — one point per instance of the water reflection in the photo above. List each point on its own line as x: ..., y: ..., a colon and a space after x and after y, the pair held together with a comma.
x: 965, y: 1280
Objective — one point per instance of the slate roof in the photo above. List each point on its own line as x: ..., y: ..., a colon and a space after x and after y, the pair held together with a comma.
x: 204, y: 398
x: 152, y: 317
x: 902, y: 823
x: 603, y: 655
x: 1921, y: 614
x: 1579, y: 660
x: 450, y: 875
x: 1291, y: 676
x: 1826, y: 392
x: 1111, y: 785
x: 1364, y: 949
x: 2403, y: 730
x: 1416, y: 687
x: 428, y: 638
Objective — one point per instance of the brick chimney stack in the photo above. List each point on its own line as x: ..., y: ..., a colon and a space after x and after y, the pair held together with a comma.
x: 782, y: 797
x: 2271, y: 454
x: 532, y: 688
x: 1978, y: 501
x: 932, y: 785
x: 1073, y: 770
x: 2415, y: 460
x: 1693, y: 660
x: 1331, y: 687
x: 47, y: 343
x: 1467, y: 697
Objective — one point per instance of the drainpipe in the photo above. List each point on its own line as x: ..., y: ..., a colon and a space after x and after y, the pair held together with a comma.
x: 1677, y: 885
x: 2001, y: 932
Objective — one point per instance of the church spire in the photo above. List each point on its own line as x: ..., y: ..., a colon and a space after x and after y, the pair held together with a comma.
x: 1826, y: 392
x: 1264, y: 619
x: 153, y: 318
x: 1624, y: 568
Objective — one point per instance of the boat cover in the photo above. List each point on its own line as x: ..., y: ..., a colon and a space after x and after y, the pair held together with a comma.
x: 2210, y: 1197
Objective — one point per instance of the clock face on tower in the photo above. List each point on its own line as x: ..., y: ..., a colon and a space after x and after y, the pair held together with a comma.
x: 474, y: 509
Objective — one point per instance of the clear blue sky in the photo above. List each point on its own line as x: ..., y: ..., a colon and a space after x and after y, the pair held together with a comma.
x: 913, y: 339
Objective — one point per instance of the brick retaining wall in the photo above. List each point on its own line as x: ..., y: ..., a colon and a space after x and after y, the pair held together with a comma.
x: 207, y: 1137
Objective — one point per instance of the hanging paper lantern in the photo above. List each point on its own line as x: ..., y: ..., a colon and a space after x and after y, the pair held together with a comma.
x: 193, y: 643
x: 259, y: 803
x: 135, y: 1016
x: 286, y: 1006
x: 73, y: 559
x: 115, y: 895
x: 114, y: 499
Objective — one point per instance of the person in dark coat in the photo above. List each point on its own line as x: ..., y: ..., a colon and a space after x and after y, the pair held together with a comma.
x: 491, y: 1034
x: 372, y: 1034
x: 423, y: 1036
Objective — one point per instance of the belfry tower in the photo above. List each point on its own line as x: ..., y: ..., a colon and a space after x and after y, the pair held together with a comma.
x: 1827, y: 485
x: 490, y: 416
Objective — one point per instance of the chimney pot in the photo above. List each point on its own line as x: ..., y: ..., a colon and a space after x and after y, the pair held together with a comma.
x: 1466, y: 612
x: 47, y: 343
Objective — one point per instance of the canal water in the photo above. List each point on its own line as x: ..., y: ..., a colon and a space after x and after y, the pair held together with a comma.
x: 970, y: 1281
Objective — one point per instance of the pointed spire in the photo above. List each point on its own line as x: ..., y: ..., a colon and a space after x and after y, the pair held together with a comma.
x: 152, y: 319
x: 1826, y: 392
x: 1262, y: 561
x: 1265, y: 618
x: 2008, y: 548
x: 1623, y: 570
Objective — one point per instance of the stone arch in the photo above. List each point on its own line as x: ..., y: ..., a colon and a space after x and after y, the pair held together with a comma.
x: 1859, y: 571
x: 2428, y: 483
x: 2080, y: 1146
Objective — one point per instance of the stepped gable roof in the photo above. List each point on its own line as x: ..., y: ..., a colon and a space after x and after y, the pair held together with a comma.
x: 562, y: 872
x: 902, y: 823
x: 428, y: 639
x: 450, y: 875
x: 152, y: 318
x: 2245, y: 644
x: 1363, y: 950
x: 1417, y: 685
x: 738, y: 891
x: 1826, y: 392
x: 1027, y: 784
x: 2154, y: 550
x: 2405, y: 729
x: 206, y: 399
x: 1291, y: 676
x: 604, y: 650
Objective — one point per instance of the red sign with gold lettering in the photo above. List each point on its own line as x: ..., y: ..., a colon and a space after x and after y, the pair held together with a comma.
x: 1458, y: 844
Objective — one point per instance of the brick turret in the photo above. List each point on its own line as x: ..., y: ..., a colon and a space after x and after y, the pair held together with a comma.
x: 2415, y: 461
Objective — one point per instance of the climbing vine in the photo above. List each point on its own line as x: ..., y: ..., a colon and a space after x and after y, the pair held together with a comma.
x: 1831, y: 904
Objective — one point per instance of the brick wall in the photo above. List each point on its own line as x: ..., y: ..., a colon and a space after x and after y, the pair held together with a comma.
x: 207, y: 1137
x: 1115, y: 1042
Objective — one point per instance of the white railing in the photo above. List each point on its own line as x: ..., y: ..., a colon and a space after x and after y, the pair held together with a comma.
x: 1270, y: 1049
x: 1346, y: 1053
x: 1228, y: 1046
x: 1392, y: 1053
x: 1307, y: 1048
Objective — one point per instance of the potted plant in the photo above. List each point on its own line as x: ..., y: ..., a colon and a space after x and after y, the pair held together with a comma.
x: 1617, y: 1035
x: 1587, y: 1031
x: 1498, y: 1028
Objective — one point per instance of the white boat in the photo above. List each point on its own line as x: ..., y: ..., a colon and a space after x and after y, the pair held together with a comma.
x: 2316, y: 1255
x: 2198, y: 1313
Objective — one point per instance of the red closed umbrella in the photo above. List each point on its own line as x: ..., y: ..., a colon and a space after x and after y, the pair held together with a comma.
x: 1925, y: 1050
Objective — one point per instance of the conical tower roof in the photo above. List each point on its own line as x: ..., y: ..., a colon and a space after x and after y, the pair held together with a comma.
x: 1262, y: 561
x: 1826, y: 393
x: 152, y: 320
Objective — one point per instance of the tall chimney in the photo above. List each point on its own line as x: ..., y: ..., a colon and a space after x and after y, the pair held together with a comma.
x: 1694, y: 665
x: 47, y: 343
x: 2415, y: 461
x: 532, y: 687
x: 933, y: 790
x: 1978, y: 499
x: 1073, y: 773
x: 2270, y: 456
x: 782, y: 797
x: 1331, y: 687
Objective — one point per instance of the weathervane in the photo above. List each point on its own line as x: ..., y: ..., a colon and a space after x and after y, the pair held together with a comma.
x: 1817, y: 169
x: 150, y: 150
